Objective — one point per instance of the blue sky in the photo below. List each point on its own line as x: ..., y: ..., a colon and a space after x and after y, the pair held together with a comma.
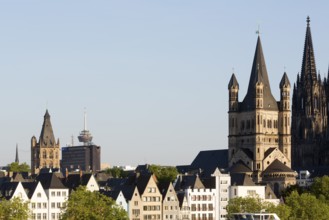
x: 153, y: 75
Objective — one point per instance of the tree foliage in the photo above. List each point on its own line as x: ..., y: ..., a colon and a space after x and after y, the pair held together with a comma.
x: 320, y: 187
x: 307, y: 206
x: 247, y: 205
x: 16, y: 167
x: 116, y: 172
x: 164, y: 173
x: 83, y: 204
x: 14, y: 209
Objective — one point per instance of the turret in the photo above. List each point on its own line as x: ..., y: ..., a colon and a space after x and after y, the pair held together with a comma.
x: 285, y: 93
x: 233, y: 88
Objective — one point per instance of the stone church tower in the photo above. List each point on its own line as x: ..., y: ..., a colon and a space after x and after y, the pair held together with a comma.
x: 259, y: 128
x: 46, y: 152
x: 309, y: 113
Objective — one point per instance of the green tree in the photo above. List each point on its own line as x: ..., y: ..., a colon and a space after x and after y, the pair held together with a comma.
x: 16, y: 167
x: 116, y: 172
x: 282, y: 210
x: 306, y: 206
x: 320, y: 187
x: 14, y: 209
x: 244, y: 204
x: 83, y: 204
x: 164, y: 173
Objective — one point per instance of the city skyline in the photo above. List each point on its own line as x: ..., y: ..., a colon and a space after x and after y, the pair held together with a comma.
x: 152, y: 76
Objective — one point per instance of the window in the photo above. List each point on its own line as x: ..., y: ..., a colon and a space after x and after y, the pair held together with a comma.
x: 135, y: 203
x: 33, y: 205
x: 44, y: 216
x: 58, y: 205
x: 58, y: 193
x: 53, y: 215
x: 53, y: 205
x: 58, y: 215
x: 44, y: 205
x: 33, y: 216
x: 251, y: 192
x: 136, y: 211
x: 64, y: 193
x: 44, y: 154
x: 39, y: 205
x: 53, y: 194
x: 39, y: 195
x: 39, y: 216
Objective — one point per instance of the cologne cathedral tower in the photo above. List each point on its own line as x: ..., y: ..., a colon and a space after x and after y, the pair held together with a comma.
x: 259, y: 128
x: 45, y: 153
x: 310, y: 146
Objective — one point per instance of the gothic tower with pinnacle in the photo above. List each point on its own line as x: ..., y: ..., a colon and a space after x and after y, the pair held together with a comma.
x: 46, y: 152
x: 310, y: 147
x: 259, y: 128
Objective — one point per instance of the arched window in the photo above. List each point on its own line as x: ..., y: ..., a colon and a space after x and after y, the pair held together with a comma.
x: 51, y: 155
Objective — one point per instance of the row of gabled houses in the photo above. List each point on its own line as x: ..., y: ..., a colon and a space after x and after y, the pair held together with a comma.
x: 46, y: 193
x: 191, y: 196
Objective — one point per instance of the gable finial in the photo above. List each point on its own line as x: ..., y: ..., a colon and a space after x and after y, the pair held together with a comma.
x: 308, y: 20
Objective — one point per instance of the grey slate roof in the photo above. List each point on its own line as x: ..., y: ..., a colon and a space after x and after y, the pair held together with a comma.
x: 269, y: 151
x: 188, y: 181
x: 240, y: 167
x: 50, y: 181
x: 209, y: 160
x: 259, y: 74
x: 284, y: 81
x: 7, y: 189
x: 240, y: 179
x: 233, y: 82
x: 29, y: 188
x: 276, y: 167
x: 72, y: 181
x: 112, y: 194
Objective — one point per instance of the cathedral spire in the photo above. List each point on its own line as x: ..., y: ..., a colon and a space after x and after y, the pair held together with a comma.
x: 47, y: 137
x: 259, y: 75
x: 16, y: 156
x: 308, y: 73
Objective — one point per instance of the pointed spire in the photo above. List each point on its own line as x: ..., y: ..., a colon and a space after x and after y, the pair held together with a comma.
x: 308, y: 73
x: 284, y: 81
x: 233, y: 82
x: 47, y: 137
x: 16, y: 157
x: 259, y: 74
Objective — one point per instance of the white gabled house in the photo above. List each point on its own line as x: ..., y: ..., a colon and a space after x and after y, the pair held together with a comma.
x: 38, y: 204
x: 56, y: 192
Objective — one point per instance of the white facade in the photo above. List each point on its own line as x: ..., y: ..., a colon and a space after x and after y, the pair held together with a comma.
x: 223, y: 183
x: 39, y: 203
x: 121, y: 201
x: 20, y: 193
x: 251, y: 191
x: 56, y: 200
x: 202, y: 203
x: 92, y: 184
x: 304, y: 179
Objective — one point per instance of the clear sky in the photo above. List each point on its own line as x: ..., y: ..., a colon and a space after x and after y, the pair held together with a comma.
x: 153, y: 75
